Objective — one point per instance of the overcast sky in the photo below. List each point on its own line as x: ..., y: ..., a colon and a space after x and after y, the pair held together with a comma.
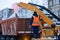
x: 8, y: 3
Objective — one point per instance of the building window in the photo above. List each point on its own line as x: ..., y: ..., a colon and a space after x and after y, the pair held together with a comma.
x: 55, y: 2
x: 59, y: 1
x: 59, y: 12
x: 50, y: 2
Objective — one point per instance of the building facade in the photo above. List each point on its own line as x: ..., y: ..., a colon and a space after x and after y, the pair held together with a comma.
x: 40, y: 2
x: 6, y: 13
x: 54, y: 6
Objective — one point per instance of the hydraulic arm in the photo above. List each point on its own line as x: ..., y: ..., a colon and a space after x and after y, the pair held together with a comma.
x: 43, y: 16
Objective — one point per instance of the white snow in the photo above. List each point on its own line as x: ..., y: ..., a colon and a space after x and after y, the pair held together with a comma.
x: 22, y: 13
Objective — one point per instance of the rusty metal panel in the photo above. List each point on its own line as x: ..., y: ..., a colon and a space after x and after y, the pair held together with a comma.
x: 13, y: 26
x: 9, y: 27
x: 23, y: 24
